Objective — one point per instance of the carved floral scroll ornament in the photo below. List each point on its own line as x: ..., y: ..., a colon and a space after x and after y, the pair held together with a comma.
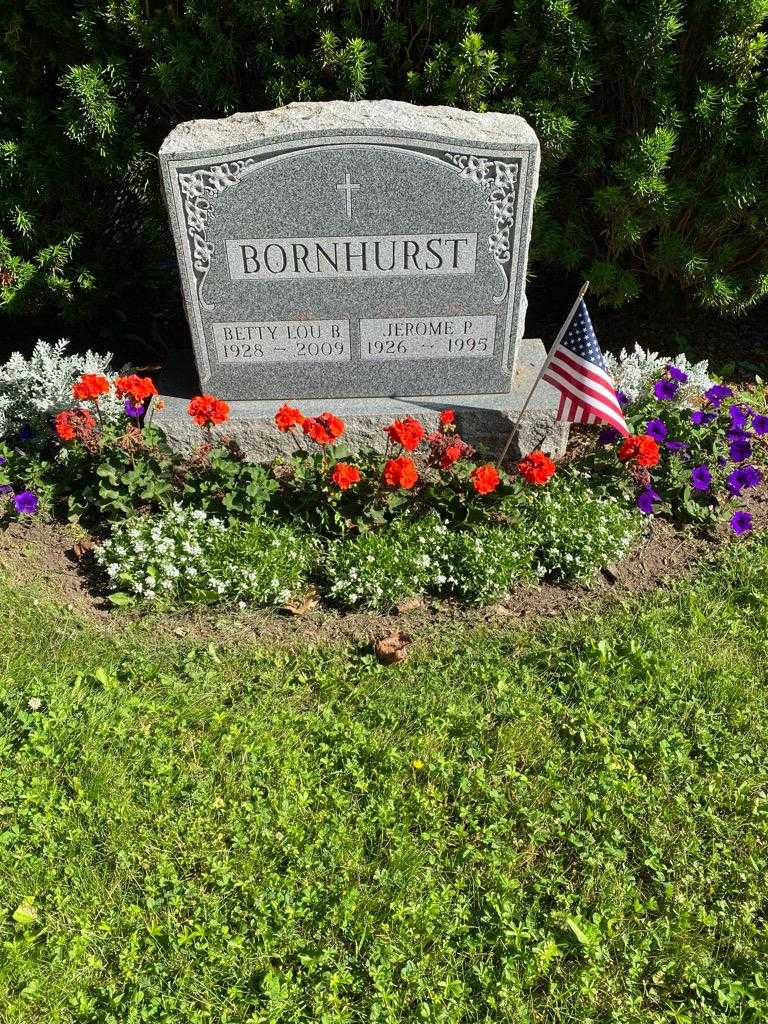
x: 498, y: 180
x: 199, y: 188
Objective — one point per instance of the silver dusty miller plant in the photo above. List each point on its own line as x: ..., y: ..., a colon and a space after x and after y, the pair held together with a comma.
x: 633, y: 373
x: 33, y: 390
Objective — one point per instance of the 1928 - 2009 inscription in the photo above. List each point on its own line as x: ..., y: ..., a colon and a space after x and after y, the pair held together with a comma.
x: 293, y: 341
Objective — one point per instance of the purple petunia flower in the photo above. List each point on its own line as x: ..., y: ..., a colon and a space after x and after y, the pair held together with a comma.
x: 657, y: 429
x: 760, y: 424
x: 25, y: 433
x: 608, y: 435
x: 751, y: 475
x: 701, y: 478
x: 741, y: 522
x: 737, y: 434
x: 3, y: 460
x: 676, y: 447
x: 622, y: 399
x: 677, y: 374
x: 739, y: 416
x: 133, y: 410
x: 743, y: 477
x: 665, y: 389
x: 6, y: 489
x: 739, y: 451
x: 645, y: 500
x: 699, y: 418
x: 716, y: 394
x: 26, y: 503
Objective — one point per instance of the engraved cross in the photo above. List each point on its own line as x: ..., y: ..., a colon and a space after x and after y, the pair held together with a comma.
x: 349, y: 187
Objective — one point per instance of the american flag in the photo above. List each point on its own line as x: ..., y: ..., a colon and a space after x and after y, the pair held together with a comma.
x: 577, y: 369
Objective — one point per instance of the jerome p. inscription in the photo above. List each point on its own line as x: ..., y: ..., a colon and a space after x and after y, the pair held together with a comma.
x: 353, y: 249
x: 428, y: 338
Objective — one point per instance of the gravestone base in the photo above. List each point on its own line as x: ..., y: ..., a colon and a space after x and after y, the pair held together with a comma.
x: 484, y: 421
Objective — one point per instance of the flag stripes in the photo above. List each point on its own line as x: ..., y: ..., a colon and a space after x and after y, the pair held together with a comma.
x: 587, y: 396
x: 577, y: 369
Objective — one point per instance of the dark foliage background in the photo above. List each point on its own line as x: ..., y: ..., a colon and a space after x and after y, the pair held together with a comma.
x: 653, y: 118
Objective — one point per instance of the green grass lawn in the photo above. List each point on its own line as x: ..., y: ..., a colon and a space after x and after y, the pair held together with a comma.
x: 568, y: 825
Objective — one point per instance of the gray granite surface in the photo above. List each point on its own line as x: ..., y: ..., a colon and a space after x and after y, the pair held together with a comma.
x: 482, y: 420
x: 353, y: 250
x: 369, y: 116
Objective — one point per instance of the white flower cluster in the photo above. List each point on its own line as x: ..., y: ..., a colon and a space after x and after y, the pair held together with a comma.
x: 185, y: 556
x: 578, y: 532
x: 482, y: 564
x: 634, y: 372
x: 35, y: 389
x: 377, y: 570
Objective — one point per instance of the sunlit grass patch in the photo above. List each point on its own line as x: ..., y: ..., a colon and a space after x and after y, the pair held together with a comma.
x: 563, y: 825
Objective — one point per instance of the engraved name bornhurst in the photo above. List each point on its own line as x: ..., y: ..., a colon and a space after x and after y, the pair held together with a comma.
x: 352, y: 256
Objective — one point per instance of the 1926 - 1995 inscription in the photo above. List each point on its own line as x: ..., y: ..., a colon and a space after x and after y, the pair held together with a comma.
x: 321, y: 259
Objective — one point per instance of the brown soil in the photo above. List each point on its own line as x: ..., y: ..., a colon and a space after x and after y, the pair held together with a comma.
x: 41, y: 553
x: 52, y: 557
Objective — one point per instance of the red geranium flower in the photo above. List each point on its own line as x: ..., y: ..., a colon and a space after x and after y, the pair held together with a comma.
x: 408, y: 433
x: 64, y: 426
x: 447, y: 448
x: 485, y: 478
x: 400, y: 472
x: 447, y: 417
x: 451, y: 454
x: 73, y: 423
x: 138, y: 389
x: 537, y: 468
x: 90, y: 385
x: 208, y: 411
x: 641, y: 449
x: 333, y: 425
x: 344, y: 475
x: 315, y: 431
x: 287, y: 417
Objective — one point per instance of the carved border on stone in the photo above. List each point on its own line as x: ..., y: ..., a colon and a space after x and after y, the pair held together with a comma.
x: 499, y: 182
x: 199, y: 188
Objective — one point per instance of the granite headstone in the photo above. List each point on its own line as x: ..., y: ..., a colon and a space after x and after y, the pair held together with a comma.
x: 354, y: 251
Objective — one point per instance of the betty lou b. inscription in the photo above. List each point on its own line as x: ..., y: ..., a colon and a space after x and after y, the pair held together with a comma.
x: 283, y: 342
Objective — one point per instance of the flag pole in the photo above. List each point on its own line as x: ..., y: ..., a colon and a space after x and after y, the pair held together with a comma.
x: 543, y: 370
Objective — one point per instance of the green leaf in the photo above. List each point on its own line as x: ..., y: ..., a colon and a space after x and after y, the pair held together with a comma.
x: 25, y: 914
x: 578, y: 931
x: 121, y: 598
